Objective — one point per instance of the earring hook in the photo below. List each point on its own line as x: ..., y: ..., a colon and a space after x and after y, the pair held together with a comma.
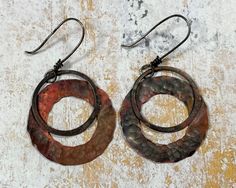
x: 60, y: 62
x: 158, y: 60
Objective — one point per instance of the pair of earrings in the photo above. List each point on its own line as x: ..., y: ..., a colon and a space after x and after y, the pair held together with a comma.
x: 146, y: 86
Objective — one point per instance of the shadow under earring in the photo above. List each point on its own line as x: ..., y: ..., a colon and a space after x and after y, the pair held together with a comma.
x: 186, y: 90
x: 48, y: 92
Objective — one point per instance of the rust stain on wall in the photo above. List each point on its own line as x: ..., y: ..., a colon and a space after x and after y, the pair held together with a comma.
x: 113, y: 88
x: 221, y: 169
x: 87, y: 4
x: 91, y: 37
x: 168, y: 180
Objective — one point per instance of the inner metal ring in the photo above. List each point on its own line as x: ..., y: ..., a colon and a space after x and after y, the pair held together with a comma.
x: 195, y: 108
x: 81, y: 128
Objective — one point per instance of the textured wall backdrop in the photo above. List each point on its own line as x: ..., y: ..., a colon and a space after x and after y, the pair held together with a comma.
x: 208, y: 56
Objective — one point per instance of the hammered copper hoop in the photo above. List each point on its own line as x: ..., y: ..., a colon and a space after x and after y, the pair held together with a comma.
x: 196, y: 123
x: 72, y: 155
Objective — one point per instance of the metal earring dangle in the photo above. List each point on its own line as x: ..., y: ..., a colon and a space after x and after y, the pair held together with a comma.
x: 48, y: 92
x: 146, y: 86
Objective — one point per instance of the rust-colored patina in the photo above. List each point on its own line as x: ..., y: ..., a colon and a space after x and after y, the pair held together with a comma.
x: 196, y: 129
x: 67, y: 155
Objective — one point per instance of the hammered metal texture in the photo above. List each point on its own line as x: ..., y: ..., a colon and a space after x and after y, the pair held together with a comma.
x: 174, y: 151
x: 209, y: 56
x: 66, y: 155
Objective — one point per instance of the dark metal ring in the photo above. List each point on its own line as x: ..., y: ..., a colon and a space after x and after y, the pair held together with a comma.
x: 53, y: 76
x: 193, y: 113
x: 81, y: 128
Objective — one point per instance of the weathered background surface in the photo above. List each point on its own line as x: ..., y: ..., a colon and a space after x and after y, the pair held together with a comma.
x: 208, y: 56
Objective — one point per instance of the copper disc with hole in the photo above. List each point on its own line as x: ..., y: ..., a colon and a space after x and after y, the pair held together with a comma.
x: 196, y: 128
x: 68, y: 155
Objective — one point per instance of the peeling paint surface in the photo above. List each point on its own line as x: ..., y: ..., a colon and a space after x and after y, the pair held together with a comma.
x: 208, y: 56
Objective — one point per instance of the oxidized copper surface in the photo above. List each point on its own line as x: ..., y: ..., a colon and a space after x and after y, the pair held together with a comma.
x: 179, y: 149
x: 67, y: 155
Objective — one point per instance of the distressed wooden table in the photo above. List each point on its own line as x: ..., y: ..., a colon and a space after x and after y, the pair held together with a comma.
x: 208, y: 56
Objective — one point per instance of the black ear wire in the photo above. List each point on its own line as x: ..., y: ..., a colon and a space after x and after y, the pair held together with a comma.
x: 60, y: 62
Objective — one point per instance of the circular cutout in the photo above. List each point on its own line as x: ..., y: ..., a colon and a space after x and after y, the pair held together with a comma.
x: 175, y: 151
x: 53, y: 94
x: 80, y: 154
x: 67, y: 114
x: 165, y: 110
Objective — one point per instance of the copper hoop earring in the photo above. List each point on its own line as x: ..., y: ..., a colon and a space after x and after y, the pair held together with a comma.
x: 145, y: 87
x: 44, y: 97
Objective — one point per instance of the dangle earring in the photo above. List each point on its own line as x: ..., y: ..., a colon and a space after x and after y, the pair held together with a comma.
x: 48, y: 92
x: 145, y: 87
